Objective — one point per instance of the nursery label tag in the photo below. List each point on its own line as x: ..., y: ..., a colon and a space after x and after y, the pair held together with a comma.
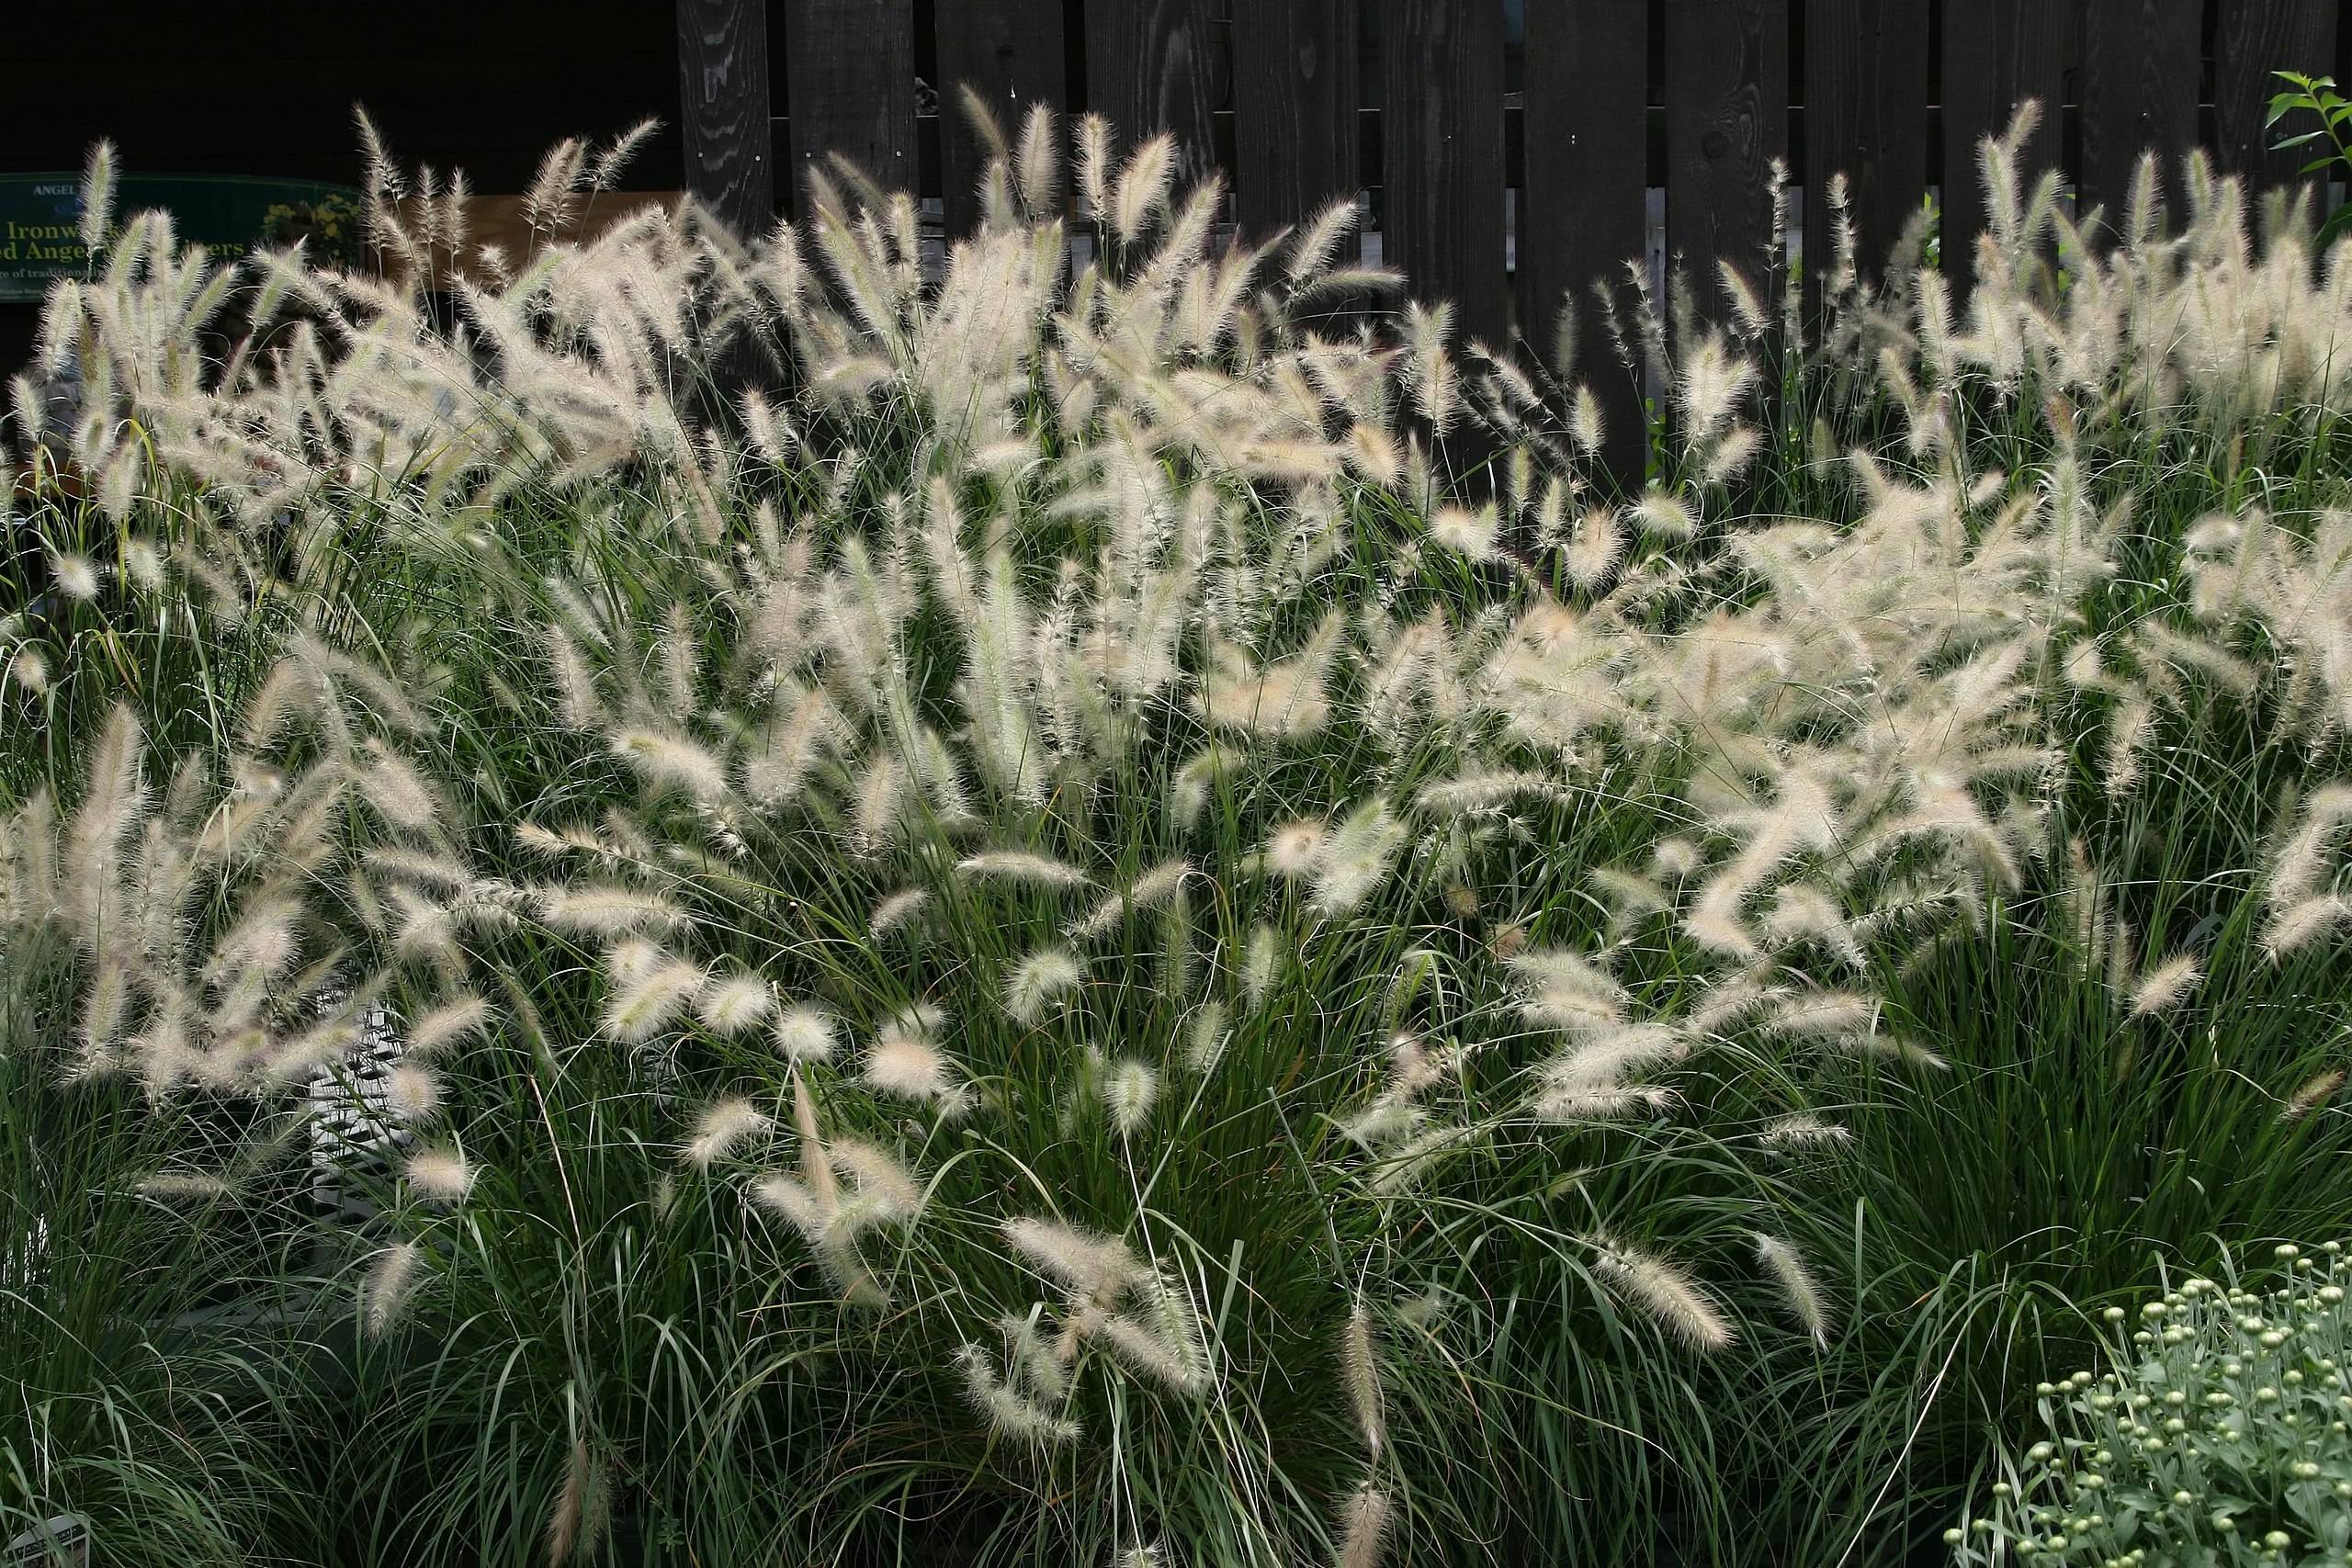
x: 227, y: 214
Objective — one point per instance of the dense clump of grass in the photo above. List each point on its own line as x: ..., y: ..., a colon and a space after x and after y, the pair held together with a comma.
x: 1045, y: 942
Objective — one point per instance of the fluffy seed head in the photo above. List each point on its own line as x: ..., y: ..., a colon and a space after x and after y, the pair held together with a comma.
x: 1468, y: 534
x: 804, y: 1033
x: 1039, y: 982
x: 1804, y: 1129
x: 910, y: 1069
x: 448, y: 1024
x: 2162, y: 989
x: 1205, y: 1038
x: 2298, y: 925
x: 184, y: 1187
x: 1594, y: 550
x: 1151, y: 890
x: 438, y: 1175
x: 898, y: 910
x: 799, y: 1204
x: 1006, y: 1410
x: 1355, y: 858
x: 1130, y: 1088
x: 2315, y: 1093
x: 1094, y: 1266
x: 721, y: 1130
x: 1020, y: 866
x: 389, y: 1281
x: 413, y: 1093
x: 1665, y: 516
x: 1294, y: 848
x: 735, y: 1004
x: 1159, y: 1336
x: 1364, y: 1517
x: 651, y: 989
x: 1666, y: 1294
x: 74, y: 575
x: 608, y: 909
x: 1360, y: 1375
x: 1797, y: 1289
x: 671, y: 761
x: 1585, y: 424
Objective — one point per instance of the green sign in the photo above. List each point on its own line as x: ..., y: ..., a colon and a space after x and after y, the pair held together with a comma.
x: 41, y: 217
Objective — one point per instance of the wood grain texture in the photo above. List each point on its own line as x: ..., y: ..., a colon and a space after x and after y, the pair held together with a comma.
x: 1997, y: 55
x: 1148, y: 71
x: 1726, y: 120
x: 1583, y: 217
x: 2251, y: 40
x: 1442, y: 157
x: 1010, y: 54
x: 1295, y: 97
x: 849, y: 86
x: 1866, y: 116
x: 2139, y: 91
x: 723, y: 109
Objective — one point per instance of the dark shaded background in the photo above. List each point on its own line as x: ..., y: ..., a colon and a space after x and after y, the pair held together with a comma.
x: 266, y: 87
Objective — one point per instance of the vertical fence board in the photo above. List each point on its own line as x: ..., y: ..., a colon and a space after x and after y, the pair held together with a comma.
x: 1998, y: 54
x: 1009, y: 51
x: 1584, y: 217
x: 2139, y: 91
x: 1442, y: 156
x: 1294, y: 110
x: 1866, y: 116
x: 1726, y: 120
x: 723, y: 108
x: 1148, y: 71
x: 2254, y: 39
x: 850, y: 86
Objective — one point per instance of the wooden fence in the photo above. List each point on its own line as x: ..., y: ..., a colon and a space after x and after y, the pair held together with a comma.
x: 1478, y: 121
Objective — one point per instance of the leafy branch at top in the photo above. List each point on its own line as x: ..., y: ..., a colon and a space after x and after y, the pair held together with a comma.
x: 2316, y: 96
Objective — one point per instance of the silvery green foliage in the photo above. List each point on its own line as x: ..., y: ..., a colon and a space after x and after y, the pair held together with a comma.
x: 2218, y: 1432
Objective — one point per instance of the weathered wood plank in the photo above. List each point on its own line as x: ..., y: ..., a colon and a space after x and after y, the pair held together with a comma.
x: 1583, y: 218
x: 1148, y: 71
x: 2139, y: 91
x: 1442, y: 157
x: 1998, y: 54
x: 1865, y: 116
x: 723, y: 108
x: 2253, y: 38
x: 1294, y: 110
x: 849, y: 86
x: 1726, y: 120
x: 1010, y: 54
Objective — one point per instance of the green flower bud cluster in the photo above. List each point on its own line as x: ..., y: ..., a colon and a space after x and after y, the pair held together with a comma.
x: 2217, y: 1429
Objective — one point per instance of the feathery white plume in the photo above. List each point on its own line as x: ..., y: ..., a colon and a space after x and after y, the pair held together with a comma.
x: 721, y: 1129
x: 1038, y: 981
x: 439, y: 1175
x: 1360, y: 1375
x: 2163, y: 988
x: 1803, y: 1298
x: 1665, y: 1292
